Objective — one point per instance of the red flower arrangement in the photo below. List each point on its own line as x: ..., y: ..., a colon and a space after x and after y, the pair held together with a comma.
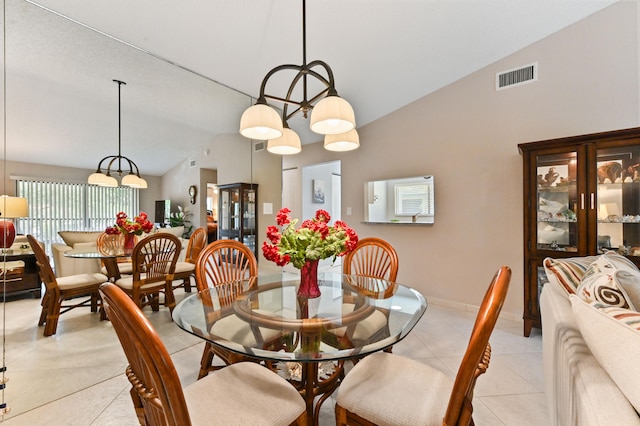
x: 313, y: 240
x: 124, y: 225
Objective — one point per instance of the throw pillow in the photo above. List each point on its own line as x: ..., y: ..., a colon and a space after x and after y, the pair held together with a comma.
x: 615, y: 343
x: 568, y: 272
x: 177, y: 230
x: 602, y: 281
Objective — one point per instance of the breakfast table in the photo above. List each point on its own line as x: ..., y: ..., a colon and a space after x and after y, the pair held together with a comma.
x: 354, y: 316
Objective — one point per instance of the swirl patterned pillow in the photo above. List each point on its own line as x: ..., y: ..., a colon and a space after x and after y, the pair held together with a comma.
x: 605, y: 281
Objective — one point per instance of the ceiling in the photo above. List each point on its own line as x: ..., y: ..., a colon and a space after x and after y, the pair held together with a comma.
x: 62, y: 104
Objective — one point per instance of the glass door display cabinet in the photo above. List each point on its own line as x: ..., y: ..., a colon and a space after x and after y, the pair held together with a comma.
x: 237, y: 218
x: 581, y: 197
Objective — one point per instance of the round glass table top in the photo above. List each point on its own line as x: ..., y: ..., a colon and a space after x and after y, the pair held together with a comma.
x: 264, y: 318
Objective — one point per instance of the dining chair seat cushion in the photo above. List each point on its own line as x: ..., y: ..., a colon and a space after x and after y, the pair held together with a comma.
x: 366, y: 328
x: 237, y: 330
x: 185, y: 267
x: 74, y: 281
x: 126, y: 282
x: 413, y: 393
x: 123, y: 267
x: 252, y: 395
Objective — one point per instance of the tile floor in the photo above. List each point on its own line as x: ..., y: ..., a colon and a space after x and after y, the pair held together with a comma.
x: 77, y: 376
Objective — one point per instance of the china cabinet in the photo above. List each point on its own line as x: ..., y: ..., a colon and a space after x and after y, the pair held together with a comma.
x: 581, y: 197
x: 237, y: 218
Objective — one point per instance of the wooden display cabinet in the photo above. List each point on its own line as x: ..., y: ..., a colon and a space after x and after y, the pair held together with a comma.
x: 237, y: 213
x: 581, y: 197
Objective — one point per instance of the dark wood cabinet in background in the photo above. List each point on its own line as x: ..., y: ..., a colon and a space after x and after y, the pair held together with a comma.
x: 237, y: 214
x: 581, y: 197
x: 20, y: 279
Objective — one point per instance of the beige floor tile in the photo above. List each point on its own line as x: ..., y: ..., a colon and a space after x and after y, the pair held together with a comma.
x: 77, y: 376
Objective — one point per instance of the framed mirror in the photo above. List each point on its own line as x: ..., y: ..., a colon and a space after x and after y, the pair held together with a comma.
x: 405, y: 200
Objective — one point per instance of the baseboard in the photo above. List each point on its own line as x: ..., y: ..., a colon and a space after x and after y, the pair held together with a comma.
x: 471, y: 308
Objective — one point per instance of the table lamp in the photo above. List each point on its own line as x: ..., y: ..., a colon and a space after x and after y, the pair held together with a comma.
x: 10, y: 208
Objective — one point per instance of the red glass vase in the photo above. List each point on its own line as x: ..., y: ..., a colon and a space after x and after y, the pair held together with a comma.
x: 129, y: 243
x: 309, y: 280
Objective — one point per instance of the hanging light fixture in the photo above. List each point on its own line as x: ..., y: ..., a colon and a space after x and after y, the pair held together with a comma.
x: 331, y: 115
x: 102, y: 176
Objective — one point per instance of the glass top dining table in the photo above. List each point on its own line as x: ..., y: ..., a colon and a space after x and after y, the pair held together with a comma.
x: 353, y: 316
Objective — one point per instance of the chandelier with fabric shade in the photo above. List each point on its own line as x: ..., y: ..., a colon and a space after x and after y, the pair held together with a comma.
x: 330, y: 114
x: 10, y: 208
x: 102, y: 176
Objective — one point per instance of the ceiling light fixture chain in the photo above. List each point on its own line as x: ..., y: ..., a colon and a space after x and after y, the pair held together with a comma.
x: 330, y: 115
x: 102, y: 176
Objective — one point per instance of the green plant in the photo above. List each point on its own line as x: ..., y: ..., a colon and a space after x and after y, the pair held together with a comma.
x: 181, y: 218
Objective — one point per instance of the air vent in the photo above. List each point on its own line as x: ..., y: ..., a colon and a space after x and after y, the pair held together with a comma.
x: 192, y: 163
x: 258, y: 146
x: 517, y: 76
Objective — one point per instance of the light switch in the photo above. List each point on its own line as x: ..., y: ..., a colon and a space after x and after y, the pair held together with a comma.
x: 348, y: 211
x: 267, y: 208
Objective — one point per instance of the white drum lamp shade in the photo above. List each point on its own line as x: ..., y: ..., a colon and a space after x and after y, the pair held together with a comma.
x: 332, y: 115
x: 347, y: 141
x: 261, y: 122
x: 287, y: 144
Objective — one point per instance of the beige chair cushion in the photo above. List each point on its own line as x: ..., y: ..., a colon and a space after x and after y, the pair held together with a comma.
x: 125, y: 268
x: 399, y: 391
x: 127, y: 283
x: 244, y: 393
x: 366, y: 328
x: 81, y: 280
x: 237, y: 330
x: 185, y: 267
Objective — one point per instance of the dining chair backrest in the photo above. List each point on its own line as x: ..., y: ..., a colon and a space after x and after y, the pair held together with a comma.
x: 372, y: 257
x: 155, y: 257
x: 197, y: 243
x: 223, y: 261
x: 112, y: 244
x: 476, y: 358
x: 46, y: 271
x: 155, y: 383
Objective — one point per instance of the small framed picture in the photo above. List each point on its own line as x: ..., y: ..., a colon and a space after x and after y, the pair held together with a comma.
x: 318, y: 191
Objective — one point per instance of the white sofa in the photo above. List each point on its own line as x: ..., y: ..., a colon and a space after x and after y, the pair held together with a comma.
x: 75, y: 240
x: 578, y: 388
x: 86, y: 240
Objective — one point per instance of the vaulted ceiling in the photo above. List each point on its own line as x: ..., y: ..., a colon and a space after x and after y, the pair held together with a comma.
x: 191, y: 67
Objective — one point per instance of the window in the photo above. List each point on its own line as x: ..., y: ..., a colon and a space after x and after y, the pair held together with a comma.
x: 60, y: 206
x: 414, y: 198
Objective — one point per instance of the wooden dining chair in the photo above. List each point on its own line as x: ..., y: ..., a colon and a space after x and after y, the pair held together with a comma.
x: 242, y: 394
x: 112, y: 244
x: 385, y: 388
x: 187, y: 269
x: 154, y: 262
x: 220, y: 263
x: 64, y: 293
x: 372, y: 258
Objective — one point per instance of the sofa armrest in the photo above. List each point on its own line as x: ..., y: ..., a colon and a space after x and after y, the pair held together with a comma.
x: 65, y: 266
x: 578, y: 390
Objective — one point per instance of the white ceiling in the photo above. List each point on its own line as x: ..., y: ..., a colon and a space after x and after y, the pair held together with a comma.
x: 62, y: 103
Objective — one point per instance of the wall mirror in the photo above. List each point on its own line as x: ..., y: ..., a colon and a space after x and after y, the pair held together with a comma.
x: 403, y: 200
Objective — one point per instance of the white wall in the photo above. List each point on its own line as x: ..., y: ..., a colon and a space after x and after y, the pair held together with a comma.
x: 466, y: 135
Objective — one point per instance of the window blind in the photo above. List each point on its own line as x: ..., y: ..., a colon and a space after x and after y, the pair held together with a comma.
x: 60, y: 206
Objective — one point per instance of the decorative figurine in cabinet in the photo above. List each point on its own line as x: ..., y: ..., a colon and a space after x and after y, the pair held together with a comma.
x: 237, y: 213
x: 581, y: 197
